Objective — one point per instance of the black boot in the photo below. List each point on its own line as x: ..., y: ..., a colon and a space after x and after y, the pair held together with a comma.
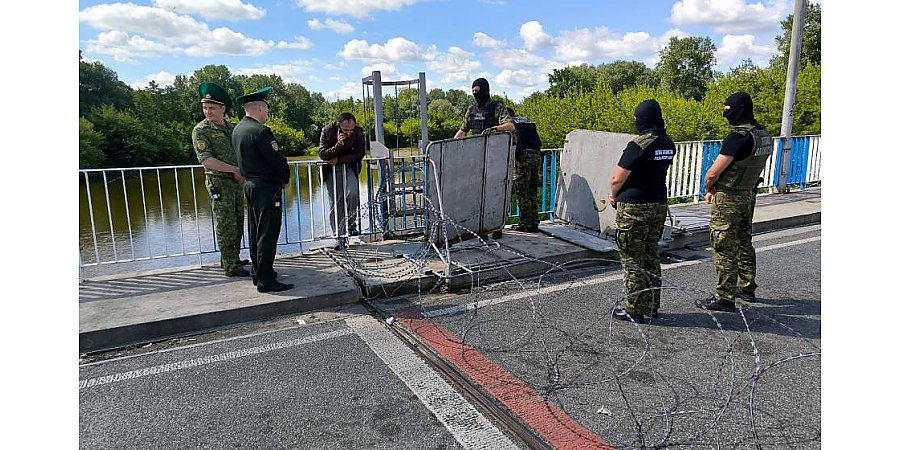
x: 712, y: 304
x: 621, y: 314
x: 276, y: 286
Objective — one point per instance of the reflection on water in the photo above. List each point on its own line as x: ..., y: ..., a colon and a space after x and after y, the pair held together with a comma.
x: 168, y: 212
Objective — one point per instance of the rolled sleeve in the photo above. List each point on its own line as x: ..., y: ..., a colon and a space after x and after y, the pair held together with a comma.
x: 202, y: 146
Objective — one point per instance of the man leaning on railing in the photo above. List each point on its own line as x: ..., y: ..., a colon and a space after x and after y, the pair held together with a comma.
x: 343, y: 145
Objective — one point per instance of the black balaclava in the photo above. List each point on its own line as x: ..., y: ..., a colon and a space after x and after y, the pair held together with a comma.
x: 648, y: 116
x: 483, y: 96
x: 740, y: 109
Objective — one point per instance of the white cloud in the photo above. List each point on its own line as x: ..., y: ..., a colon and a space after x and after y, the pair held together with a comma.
x: 735, y: 49
x: 356, y: 8
x: 300, y: 43
x: 515, y: 58
x: 348, y: 90
x: 290, y: 72
x: 223, y: 41
x: 520, y: 78
x: 331, y: 24
x: 601, y: 43
x: 725, y: 16
x: 232, y: 10
x: 533, y: 35
x: 454, y: 66
x: 484, y: 41
x: 395, y: 49
x: 124, y: 47
x: 386, y: 69
x: 153, y: 22
x: 134, y: 32
x: 162, y: 79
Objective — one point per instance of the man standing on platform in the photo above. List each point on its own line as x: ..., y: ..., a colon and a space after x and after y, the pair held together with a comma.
x: 267, y: 174
x: 212, y: 143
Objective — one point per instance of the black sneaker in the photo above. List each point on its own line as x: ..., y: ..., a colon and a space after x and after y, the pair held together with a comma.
x: 240, y: 273
x: 276, y: 286
x: 713, y: 304
x: 497, y: 234
x: 621, y: 314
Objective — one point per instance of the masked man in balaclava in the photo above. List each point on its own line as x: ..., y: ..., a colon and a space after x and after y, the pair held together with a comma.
x: 485, y: 116
x: 638, y: 192
x: 731, y: 185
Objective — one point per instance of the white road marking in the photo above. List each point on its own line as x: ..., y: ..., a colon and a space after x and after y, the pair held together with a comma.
x: 202, y: 361
x: 470, y: 428
x: 587, y: 282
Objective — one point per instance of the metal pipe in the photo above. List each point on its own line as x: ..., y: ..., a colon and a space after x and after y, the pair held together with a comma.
x: 790, y: 92
x: 112, y: 231
x: 127, y: 213
x: 87, y: 185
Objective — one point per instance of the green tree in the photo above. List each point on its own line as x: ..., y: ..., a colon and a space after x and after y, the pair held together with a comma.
x: 685, y: 66
x: 573, y: 79
x: 89, y: 153
x: 125, y: 138
x: 621, y: 75
x: 811, y: 42
x: 292, y: 142
x: 99, y: 85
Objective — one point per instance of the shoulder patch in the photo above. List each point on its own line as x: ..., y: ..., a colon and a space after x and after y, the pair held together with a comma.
x: 201, y: 145
x: 274, y: 146
x: 643, y: 141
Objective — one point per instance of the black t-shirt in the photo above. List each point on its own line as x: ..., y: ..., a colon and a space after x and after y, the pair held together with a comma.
x: 647, y: 181
x: 737, y: 145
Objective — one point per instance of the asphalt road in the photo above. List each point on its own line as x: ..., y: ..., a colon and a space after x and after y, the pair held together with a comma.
x: 691, y: 379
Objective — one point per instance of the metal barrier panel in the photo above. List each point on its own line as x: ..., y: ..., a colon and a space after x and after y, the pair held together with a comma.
x: 469, y: 184
x: 589, y: 160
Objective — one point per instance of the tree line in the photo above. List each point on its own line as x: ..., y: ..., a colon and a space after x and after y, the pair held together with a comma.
x: 124, y: 127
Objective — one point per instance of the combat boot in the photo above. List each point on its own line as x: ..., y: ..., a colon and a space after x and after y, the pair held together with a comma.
x: 621, y: 314
x: 713, y: 304
x: 525, y: 228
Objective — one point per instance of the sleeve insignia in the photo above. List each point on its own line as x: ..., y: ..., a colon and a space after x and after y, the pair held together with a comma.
x: 201, y: 145
x: 274, y: 146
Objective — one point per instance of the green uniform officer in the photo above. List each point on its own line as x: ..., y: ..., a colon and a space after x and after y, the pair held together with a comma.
x: 267, y: 174
x: 731, y: 184
x: 212, y: 143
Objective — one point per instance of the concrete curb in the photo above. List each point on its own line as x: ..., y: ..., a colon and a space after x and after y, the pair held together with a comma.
x: 118, y: 337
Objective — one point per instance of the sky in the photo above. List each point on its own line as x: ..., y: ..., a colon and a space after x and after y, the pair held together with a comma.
x: 329, y: 46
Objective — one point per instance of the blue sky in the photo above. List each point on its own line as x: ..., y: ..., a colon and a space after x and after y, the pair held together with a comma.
x: 328, y: 46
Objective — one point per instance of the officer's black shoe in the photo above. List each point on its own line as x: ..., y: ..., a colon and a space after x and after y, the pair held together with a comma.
x: 240, y: 273
x: 276, y: 286
x: 713, y: 304
x: 256, y: 282
x: 621, y: 314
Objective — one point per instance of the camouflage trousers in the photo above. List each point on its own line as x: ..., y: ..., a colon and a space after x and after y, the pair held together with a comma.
x: 731, y: 217
x: 526, y: 180
x: 639, y: 227
x: 228, y: 219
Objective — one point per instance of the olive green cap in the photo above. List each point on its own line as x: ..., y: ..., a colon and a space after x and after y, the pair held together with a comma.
x: 258, y: 96
x: 213, y: 93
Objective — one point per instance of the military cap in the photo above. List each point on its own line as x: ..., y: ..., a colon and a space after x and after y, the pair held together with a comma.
x: 213, y: 93
x: 258, y: 96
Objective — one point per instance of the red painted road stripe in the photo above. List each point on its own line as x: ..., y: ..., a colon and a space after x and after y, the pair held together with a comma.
x: 545, y: 418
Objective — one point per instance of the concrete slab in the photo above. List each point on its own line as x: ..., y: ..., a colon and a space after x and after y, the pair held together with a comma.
x: 588, y: 240
x: 129, y: 311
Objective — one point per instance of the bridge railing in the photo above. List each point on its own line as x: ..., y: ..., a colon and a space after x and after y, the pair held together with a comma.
x: 151, y: 213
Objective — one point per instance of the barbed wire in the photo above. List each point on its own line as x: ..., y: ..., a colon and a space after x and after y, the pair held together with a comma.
x: 645, y: 402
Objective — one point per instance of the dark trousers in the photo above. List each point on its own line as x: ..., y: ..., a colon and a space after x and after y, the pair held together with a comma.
x: 264, y: 205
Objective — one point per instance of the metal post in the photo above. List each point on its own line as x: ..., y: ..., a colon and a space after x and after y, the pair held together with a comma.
x: 423, y: 112
x: 790, y: 91
x: 379, y: 106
